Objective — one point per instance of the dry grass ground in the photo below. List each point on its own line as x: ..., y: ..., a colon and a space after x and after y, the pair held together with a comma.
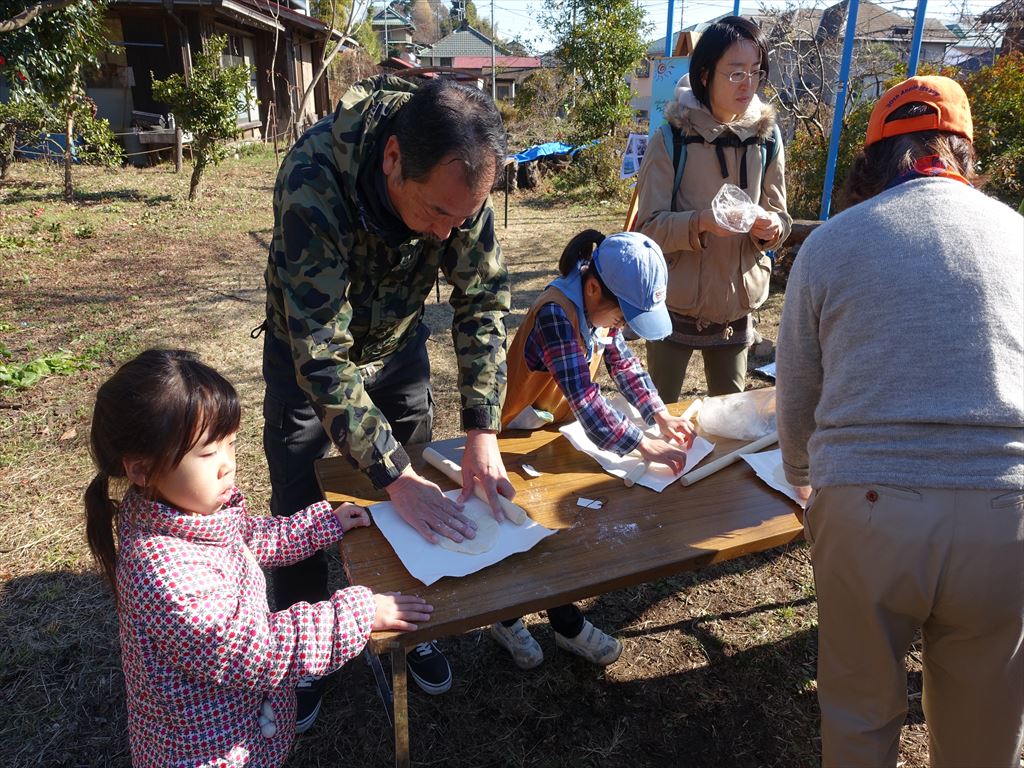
x: 718, y: 668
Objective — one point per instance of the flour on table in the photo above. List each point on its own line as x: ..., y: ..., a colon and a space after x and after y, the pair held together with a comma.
x: 486, y: 533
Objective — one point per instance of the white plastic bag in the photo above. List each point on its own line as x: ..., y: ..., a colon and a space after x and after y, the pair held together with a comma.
x: 742, y: 416
x: 734, y: 210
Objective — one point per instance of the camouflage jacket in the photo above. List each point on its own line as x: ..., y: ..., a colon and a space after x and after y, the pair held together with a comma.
x: 343, y: 300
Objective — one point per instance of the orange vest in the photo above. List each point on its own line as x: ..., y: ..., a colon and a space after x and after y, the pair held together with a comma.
x: 539, y: 388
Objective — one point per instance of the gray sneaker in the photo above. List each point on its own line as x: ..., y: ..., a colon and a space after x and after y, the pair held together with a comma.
x: 592, y: 644
x: 518, y: 641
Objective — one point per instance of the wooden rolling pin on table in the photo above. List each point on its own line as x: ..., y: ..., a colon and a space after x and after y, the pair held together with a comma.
x: 453, y: 471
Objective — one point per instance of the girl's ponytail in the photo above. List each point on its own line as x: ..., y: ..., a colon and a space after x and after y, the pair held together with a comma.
x: 580, y: 248
x: 100, y: 511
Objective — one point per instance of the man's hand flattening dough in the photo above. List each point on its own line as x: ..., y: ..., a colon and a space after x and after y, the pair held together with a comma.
x: 423, y: 506
x: 481, y: 463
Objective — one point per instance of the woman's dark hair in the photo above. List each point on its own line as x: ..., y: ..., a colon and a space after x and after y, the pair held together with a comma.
x: 712, y: 45
x: 443, y: 118
x: 581, y: 249
x: 156, y: 407
x: 878, y: 164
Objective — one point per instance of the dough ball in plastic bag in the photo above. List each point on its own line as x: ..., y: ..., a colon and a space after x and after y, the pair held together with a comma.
x: 734, y: 210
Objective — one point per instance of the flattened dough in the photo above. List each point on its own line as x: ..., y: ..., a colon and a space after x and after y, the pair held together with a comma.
x: 486, y: 532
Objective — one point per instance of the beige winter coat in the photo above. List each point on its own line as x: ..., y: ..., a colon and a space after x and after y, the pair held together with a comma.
x: 712, y: 279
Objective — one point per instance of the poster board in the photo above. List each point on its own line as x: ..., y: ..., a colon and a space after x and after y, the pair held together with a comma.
x: 665, y: 73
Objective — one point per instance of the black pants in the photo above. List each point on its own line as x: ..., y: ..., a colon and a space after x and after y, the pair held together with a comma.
x: 293, y: 438
x: 566, y: 620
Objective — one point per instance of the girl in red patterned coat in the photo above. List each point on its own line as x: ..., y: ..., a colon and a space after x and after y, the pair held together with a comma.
x: 209, y: 670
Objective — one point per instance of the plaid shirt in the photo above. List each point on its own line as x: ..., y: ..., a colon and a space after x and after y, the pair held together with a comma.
x: 553, y: 346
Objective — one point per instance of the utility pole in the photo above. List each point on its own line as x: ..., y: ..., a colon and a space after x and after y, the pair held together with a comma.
x: 494, y: 28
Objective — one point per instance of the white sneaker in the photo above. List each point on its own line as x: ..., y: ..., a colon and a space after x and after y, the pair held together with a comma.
x: 518, y: 641
x: 592, y: 644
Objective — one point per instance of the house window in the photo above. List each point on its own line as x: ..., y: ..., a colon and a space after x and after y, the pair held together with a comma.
x: 446, y: 61
x: 240, y: 49
x: 643, y: 69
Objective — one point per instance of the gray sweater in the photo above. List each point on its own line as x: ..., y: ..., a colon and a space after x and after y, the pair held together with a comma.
x: 901, y: 351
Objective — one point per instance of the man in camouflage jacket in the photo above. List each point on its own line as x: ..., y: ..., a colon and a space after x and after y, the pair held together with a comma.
x: 370, y: 204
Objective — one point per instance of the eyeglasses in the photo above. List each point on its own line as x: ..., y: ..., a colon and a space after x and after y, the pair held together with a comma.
x: 739, y: 76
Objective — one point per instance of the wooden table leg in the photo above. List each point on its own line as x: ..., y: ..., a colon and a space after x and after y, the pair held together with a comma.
x: 401, y: 697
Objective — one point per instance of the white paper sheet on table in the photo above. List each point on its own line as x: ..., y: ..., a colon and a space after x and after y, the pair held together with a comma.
x: 430, y: 562
x: 767, y: 465
x: 657, y: 477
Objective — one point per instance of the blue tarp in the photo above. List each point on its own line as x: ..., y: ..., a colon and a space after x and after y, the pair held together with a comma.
x: 550, y: 148
x: 49, y: 146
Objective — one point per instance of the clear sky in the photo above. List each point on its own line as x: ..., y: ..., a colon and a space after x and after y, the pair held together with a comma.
x: 519, y: 17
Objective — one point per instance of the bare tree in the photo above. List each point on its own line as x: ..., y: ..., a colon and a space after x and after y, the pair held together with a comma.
x: 341, y: 16
x: 424, y: 18
x: 806, y: 49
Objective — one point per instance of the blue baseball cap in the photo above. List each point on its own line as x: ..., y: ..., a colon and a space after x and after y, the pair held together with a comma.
x: 634, y: 269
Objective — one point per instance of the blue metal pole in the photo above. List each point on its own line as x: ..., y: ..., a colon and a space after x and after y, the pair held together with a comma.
x: 736, y: 8
x: 668, y: 30
x: 837, y: 118
x: 915, y: 44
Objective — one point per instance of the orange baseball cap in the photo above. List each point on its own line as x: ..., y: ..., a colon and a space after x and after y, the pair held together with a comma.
x: 953, y: 111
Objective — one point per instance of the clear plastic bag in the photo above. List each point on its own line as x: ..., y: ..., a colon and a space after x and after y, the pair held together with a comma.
x: 734, y: 210
x: 742, y: 416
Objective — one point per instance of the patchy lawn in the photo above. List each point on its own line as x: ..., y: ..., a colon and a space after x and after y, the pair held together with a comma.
x: 718, y: 667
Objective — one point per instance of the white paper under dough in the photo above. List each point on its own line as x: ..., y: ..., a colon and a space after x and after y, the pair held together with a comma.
x: 428, y: 562
x: 657, y: 477
x: 486, y: 534
x: 767, y: 465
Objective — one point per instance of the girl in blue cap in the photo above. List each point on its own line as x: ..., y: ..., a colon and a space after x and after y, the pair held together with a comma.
x: 606, y: 283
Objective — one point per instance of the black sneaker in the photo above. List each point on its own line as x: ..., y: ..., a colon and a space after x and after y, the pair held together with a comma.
x: 429, y: 669
x: 309, y: 693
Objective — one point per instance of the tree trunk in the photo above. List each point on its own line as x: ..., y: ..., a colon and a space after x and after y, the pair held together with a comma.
x: 197, y: 174
x: 7, y: 156
x: 69, y: 136
x: 299, y: 118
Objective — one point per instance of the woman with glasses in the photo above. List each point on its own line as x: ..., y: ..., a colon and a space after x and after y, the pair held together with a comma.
x: 721, y: 133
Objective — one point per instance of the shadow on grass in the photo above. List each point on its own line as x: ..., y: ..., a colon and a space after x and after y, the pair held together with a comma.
x: 22, y: 194
x: 61, y: 687
x: 682, y: 695
x: 62, y: 691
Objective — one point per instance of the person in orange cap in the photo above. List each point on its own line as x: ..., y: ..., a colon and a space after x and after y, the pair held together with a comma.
x: 901, y: 402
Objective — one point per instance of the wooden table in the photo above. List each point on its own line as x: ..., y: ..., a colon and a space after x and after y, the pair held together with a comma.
x: 638, y: 536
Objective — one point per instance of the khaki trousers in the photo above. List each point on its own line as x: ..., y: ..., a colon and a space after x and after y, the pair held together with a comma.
x: 725, y: 368
x: 889, y: 561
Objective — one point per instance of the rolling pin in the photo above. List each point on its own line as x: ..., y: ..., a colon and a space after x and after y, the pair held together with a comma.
x: 721, y: 463
x: 453, y: 471
x: 641, y: 469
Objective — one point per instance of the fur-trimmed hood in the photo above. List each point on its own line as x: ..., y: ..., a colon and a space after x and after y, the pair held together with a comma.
x: 692, y: 117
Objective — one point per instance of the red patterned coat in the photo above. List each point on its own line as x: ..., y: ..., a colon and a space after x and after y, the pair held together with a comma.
x: 201, y: 650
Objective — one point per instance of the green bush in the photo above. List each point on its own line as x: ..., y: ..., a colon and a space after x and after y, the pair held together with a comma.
x: 593, y: 176
x: 997, y: 105
x: 21, y: 120
x: 207, y: 104
x: 806, y: 156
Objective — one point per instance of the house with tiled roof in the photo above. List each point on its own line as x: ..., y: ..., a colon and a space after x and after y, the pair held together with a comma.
x: 395, y: 31
x: 468, y: 51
